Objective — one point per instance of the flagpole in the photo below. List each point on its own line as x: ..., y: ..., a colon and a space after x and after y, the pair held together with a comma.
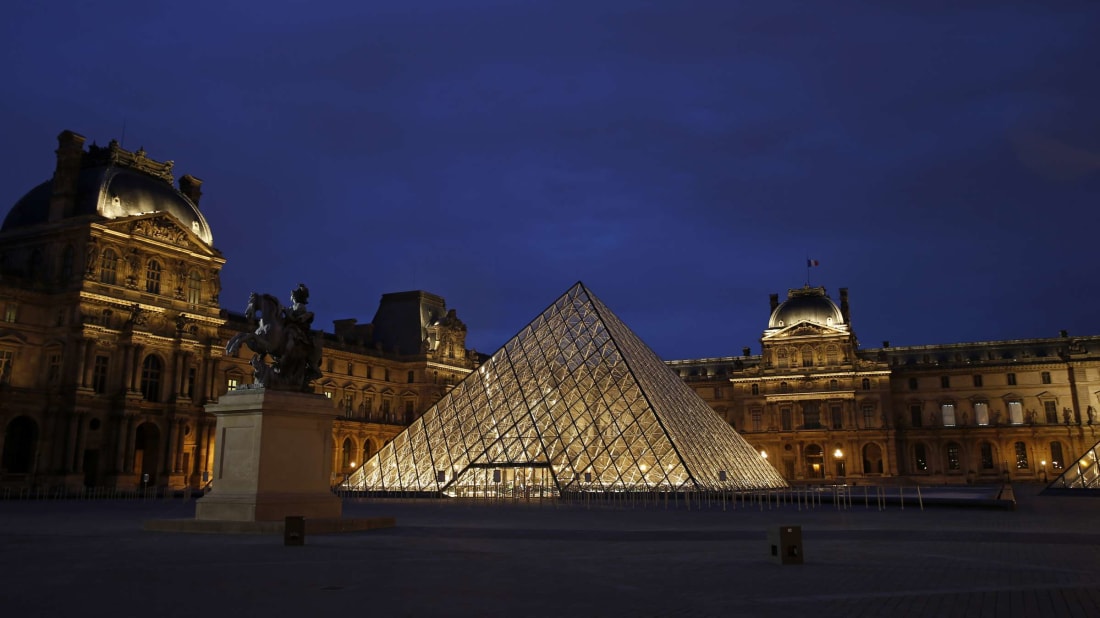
x: 807, y: 271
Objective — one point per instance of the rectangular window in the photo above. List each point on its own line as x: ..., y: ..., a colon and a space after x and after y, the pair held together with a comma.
x: 232, y: 383
x: 1015, y: 413
x: 99, y: 374
x: 981, y: 413
x: 9, y: 312
x: 757, y: 419
x: 811, y: 416
x: 947, y: 412
x: 1044, y: 377
x: 913, y: 384
x: 945, y: 381
x: 836, y: 416
x: 786, y: 419
x: 192, y: 374
x: 412, y: 377
x: 1051, y: 411
x: 1011, y: 379
x: 977, y: 380
x: 351, y: 368
x: 869, y: 416
x: 717, y: 392
x: 915, y: 416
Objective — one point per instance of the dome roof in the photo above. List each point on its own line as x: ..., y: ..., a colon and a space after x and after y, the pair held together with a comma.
x: 806, y: 305
x: 114, y: 184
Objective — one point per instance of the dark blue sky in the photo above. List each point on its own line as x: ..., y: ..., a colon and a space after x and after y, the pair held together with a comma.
x: 940, y: 159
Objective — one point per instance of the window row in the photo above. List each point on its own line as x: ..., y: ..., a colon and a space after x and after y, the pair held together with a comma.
x: 977, y: 380
x: 987, y: 461
x: 950, y: 416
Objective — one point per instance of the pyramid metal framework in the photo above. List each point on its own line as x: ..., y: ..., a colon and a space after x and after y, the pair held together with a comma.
x: 1081, y: 474
x: 574, y: 402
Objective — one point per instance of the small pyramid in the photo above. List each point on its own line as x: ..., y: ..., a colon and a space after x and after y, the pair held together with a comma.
x: 574, y: 402
x: 1081, y: 474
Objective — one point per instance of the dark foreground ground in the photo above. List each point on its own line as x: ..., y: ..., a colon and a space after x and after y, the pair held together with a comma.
x: 68, y: 558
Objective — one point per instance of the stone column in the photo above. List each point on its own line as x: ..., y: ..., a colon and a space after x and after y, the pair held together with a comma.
x: 70, y: 443
x: 128, y: 458
x: 81, y: 441
x: 127, y: 366
x: 177, y: 375
x: 81, y: 362
x: 88, y: 366
x: 169, y: 447
x: 177, y: 464
x: 135, y: 365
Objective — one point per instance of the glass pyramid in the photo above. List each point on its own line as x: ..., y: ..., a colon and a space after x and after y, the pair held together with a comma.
x: 1081, y: 474
x: 574, y: 402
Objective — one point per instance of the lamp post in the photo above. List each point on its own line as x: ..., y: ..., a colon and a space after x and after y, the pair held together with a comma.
x: 1043, y: 465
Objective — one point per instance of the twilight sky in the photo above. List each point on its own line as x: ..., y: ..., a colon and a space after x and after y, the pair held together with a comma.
x: 940, y: 159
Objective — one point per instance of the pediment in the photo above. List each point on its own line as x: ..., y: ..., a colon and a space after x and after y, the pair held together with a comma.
x: 161, y: 227
x: 804, y: 329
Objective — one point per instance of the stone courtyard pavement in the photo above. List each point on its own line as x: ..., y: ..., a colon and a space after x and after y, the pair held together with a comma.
x: 71, y: 558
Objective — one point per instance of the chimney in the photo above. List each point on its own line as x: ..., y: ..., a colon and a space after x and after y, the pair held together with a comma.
x: 844, y: 305
x: 886, y: 343
x: 70, y: 154
x: 746, y: 351
x: 774, y: 299
x: 191, y: 187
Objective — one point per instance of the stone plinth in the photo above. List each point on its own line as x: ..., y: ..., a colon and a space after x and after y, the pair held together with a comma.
x: 273, y: 457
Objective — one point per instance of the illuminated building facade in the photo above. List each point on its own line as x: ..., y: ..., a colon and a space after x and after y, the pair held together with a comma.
x: 822, y: 409
x: 112, y: 335
x: 575, y: 402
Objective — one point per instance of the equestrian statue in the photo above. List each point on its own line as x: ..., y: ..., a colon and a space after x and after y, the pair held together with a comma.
x: 283, y: 334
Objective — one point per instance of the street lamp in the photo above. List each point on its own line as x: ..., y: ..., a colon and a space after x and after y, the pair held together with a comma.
x: 763, y: 453
x: 1043, y: 463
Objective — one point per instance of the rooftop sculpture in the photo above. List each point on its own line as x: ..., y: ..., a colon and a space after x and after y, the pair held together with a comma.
x: 284, y: 334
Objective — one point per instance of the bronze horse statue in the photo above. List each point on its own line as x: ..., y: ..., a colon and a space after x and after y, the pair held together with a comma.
x: 284, y: 335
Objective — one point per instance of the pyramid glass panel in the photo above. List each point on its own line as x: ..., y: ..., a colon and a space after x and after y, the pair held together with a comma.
x: 1081, y: 474
x: 574, y: 402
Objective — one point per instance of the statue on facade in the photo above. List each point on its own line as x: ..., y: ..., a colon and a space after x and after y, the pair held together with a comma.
x: 284, y: 334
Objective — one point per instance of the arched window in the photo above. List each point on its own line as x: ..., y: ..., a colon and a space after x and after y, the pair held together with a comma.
x: 20, y: 438
x: 865, y: 384
x: 1056, y: 461
x: 986, y: 450
x: 194, y: 288
x: 872, y: 459
x: 953, y: 460
x: 345, y: 454
x: 108, y: 267
x: 367, y: 451
x: 152, y: 277
x: 1021, y: 456
x: 755, y: 389
x: 815, y: 462
x: 150, y: 378
x: 783, y: 387
x: 920, y: 457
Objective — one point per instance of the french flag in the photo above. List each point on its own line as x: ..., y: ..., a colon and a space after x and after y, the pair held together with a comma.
x: 810, y: 263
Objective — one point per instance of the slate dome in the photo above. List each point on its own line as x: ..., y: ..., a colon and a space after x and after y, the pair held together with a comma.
x: 806, y: 305
x: 114, y: 183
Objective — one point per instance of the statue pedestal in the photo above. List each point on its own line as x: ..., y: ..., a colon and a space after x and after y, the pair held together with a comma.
x: 273, y: 457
